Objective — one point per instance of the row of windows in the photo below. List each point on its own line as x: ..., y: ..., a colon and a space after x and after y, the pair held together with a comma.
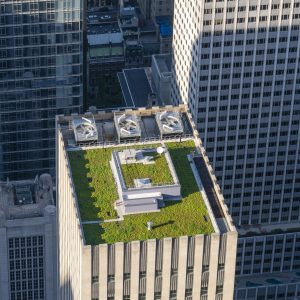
x: 262, y: 7
x: 237, y: 32
x: 220, y: 10
x: 261, y: 41
x: 250, y: 19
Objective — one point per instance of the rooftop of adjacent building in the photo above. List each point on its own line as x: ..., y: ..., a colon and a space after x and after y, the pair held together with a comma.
x: 136, y: 88
x: 26, y: 198
x: 199, y: 211
x: 97, y: 17
x: 103, y: 28
x: 267, y: 229
x: 163, y: 62
x: 260, y: 280
x: 165, y: 25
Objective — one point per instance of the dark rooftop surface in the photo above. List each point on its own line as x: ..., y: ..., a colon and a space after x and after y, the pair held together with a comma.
x: 102, y: 17
x: 125, y: 91
x: 135, y: 87
x: 103, y: 28
x: 208, y: 187
x: 164, y: 62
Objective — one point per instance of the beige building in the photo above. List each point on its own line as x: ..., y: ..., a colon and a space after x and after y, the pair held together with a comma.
x: 184, y: 249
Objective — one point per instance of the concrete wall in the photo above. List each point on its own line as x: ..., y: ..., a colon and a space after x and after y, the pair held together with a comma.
x: 34, y: 227
x: 72, y: 282
x: 185, y: 267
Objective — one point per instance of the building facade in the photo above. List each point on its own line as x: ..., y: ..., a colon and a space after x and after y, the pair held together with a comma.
x: 28, y: 240
x: 268, y: 266
x: 41, y: 75
x: 236, y: 65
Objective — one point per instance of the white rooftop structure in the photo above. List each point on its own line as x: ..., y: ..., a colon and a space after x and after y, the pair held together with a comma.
x: 169, y: 122
x: 85, y: 129
x: 127, y: 126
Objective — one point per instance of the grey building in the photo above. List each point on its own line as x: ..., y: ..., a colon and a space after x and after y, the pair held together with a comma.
x: 236, y: 65
x: 188, y: 250
x: 41, y: 72
x: 28, y: 239
x: 161, y: 74
x: 268, y: 266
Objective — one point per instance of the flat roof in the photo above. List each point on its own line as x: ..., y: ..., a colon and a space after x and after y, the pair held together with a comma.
x: 135, y: 87
x: 267, y: 279
x: 96, y: 192
x: 164, y: 62
x: 103, y: 28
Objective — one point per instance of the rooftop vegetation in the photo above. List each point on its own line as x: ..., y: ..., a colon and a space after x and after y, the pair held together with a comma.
x: 158, y: 172
x: 96, y: 193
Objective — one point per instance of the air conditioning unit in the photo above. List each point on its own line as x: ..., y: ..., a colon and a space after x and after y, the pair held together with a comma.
x: 169, y: 123
x: 85, y: 129
x: 127, y: 126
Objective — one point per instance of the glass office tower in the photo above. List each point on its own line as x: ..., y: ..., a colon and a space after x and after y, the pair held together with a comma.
x: 41, y: 63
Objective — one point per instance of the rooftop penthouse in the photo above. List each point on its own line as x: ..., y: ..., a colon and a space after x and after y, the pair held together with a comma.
x: 132, y: 167
x: 141, y: 207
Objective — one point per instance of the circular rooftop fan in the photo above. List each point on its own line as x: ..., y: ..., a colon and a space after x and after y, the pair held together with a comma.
x: 170, y: 122
x: 127, y: 125
x: 86, y: 129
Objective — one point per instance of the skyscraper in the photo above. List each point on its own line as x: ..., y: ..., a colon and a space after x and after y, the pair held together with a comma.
x: 236, y: 65
x: 140, y: 214
x: 40, y: 76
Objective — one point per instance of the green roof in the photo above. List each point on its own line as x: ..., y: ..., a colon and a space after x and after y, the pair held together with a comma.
x: 96, y: 194
x: 158, y: 172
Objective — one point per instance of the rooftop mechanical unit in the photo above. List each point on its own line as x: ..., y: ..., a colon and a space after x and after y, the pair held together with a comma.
x: 169, y: 123
x: 24, y: 195
x: 85, y: 129
x: 127, y: 126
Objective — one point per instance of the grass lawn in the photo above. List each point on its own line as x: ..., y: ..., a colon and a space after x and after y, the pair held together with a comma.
x: 159, y: 172
x: 94, y: 182
x: 186, y: 217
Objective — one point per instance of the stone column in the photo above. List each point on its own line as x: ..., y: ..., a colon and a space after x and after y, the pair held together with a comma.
x: 86, y: 273
x: 230, y: 261
x: 135, y: 270
x: 166, y: 268
x: 198, y: 258
x: 182, y: 261
x: 213, y: 265
x: 119, y: 270
x: 103, y: 270
x: 151, y: 255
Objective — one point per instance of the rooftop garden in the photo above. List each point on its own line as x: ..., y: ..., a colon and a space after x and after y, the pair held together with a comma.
x: 158, y: 172
x: 96, y: 193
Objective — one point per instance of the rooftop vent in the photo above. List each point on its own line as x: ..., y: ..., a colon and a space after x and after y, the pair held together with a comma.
x: 127, y: 126
x: 85, y: 129
x: 169, y: 123
x: 23, y: 195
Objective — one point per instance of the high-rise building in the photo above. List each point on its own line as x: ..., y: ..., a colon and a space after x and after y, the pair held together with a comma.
x: 41, y: 65
x: 28, y: 240
x: 140, y: 214
x: 236, y: 65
